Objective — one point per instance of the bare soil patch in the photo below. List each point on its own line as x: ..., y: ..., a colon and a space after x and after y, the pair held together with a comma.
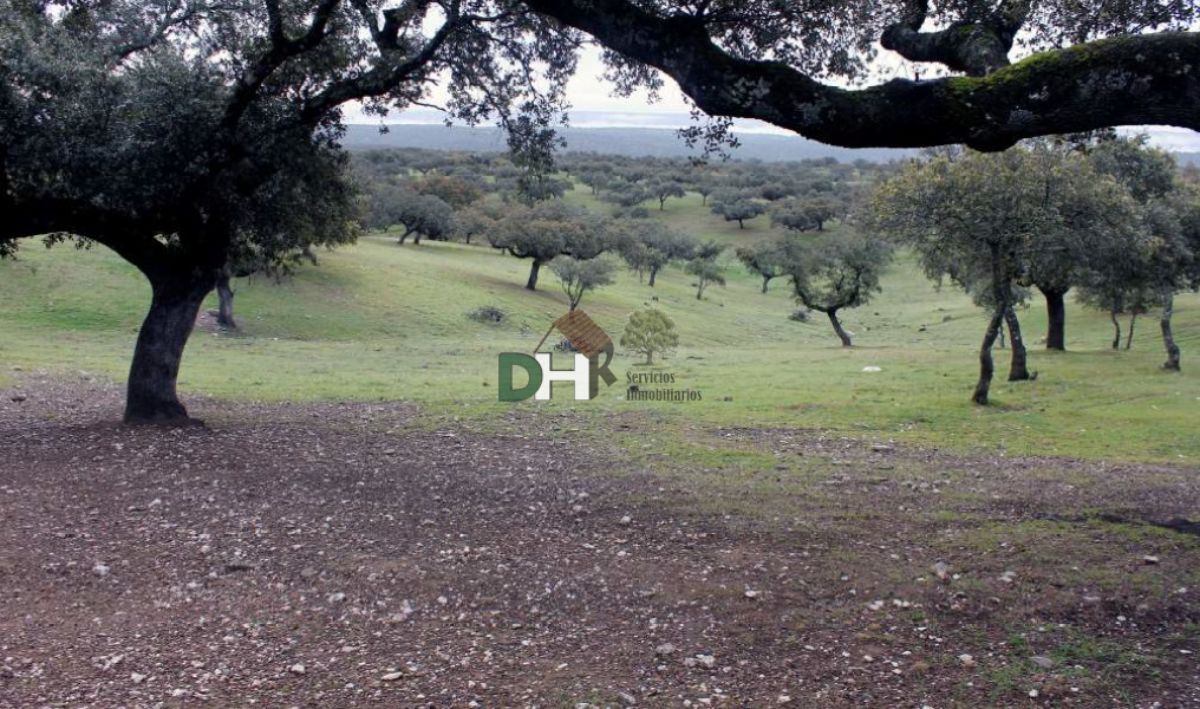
x: 336, y: 555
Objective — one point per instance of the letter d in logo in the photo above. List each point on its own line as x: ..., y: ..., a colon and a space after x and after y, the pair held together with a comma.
x: 509, y: 360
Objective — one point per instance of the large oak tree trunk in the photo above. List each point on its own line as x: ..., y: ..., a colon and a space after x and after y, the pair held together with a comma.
x: 1116, y: 329
x: 150, y: 395
x: 986, y: 367
x: 225, y: 302
x: 1172, y: 363
x: 1129, y: 337
x: 653, y: 275
x: 1056, y: 313
x: 531, y: 284
x: 837, y: 327
x: 1018, y: 371
x: 766, y: 280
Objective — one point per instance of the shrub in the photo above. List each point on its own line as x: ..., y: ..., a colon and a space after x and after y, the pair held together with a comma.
x: 487, y: 314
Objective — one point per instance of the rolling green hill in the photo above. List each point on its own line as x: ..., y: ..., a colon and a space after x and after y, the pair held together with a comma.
x: 381, y: 321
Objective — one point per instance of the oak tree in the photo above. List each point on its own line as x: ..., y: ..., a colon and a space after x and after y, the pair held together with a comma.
x: 159, y: 128
x: 650, y: 332
x: 835, y: 272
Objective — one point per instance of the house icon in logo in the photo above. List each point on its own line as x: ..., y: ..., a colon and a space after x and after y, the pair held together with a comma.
x: 589, y: 342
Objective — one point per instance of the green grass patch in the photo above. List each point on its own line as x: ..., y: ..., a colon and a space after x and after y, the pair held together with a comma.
x: 380, y: 321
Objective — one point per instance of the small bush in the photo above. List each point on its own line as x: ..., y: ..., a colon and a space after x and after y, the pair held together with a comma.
x: 799, y: 315
x: 487, y: 314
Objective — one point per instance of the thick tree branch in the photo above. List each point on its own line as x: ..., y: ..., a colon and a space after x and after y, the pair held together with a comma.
x: 129, y: 238
x: 281, y: 49
x: 975, y: 47
x: 381, y: 78
x: 1143, y: 79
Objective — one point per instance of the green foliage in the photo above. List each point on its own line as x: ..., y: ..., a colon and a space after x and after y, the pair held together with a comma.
x: 473, y: 221
x: 705, y: 267
x: 1147, y: 172
x: 805, y: 213
x: 663, y: 188
x: 454, y: 191
x: 765, y: 259
x: 650, y: 332
x: 837, y: 271
x: 422, y: 215
x: 551, y: 229
x: 735, y: 207
x: 578, y: 276
x: 648, y: 245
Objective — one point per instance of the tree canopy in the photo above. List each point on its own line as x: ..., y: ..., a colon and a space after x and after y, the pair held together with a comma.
x: 835, y: 272
x: 548, y: 230
x: 161, y: 129
x: 649, y: 332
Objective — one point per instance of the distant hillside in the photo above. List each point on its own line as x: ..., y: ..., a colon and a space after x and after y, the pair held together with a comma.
x: 633, y: 142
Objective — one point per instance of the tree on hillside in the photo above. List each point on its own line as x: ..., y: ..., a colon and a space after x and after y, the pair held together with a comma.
x: 704, y: 266
x: 1170, y: 211
x: 663, y: 189
x: 648, y: 246
x: 704, y: 184
x: 836, y: 272
x: 580, y: 276
x: 805, y: 213
x: 421, y: 215
x: 454, y: 191
x: 596, y: 178
x: 1088, y: 217
x: 1173, y: 224
x: 764, y: 259
x: 625, y: 193
x: 159, y: 129
x: 1147, y: 172
x: 777, y: 190
x: 735, y: 207
x: 550, y: 229
x: 819, y: 209
x: 475, y: 220
x: 1118, y: 283
x: 650, y: 332
x: 967, y: 219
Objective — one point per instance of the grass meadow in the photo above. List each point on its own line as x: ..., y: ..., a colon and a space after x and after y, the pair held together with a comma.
x: 382, y: 321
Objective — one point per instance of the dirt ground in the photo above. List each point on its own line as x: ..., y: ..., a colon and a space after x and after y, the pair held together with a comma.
x: 337, y: 555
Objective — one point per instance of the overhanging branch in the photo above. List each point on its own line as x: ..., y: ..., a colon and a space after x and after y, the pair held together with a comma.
x: 1142, y: 79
